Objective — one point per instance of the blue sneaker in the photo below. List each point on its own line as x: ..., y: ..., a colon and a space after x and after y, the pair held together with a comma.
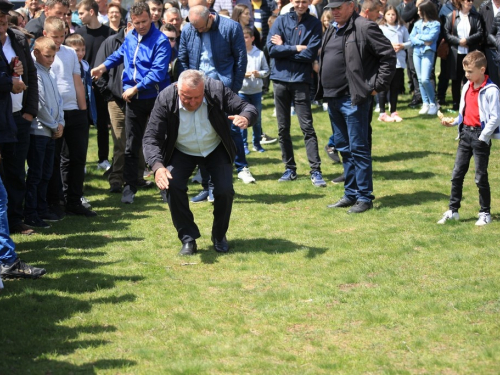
x: 201, y: 197
x: 247, y: 151
x: 289, y: 175
x: 317, y: 179
x: 258, y: 149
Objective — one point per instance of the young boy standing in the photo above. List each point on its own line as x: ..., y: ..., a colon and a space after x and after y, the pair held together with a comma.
x: 478, y: 122
x: 251, y: 91
x: 45, y: 128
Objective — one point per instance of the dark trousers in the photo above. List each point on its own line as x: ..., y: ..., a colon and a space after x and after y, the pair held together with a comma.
x: 443, y: 81
x: 136, y: 119
x: 469, y: 146
x: 394, y: 90
x: 14, y: 161
x: 493, y: 69
x: 456, y: 83
x: 181, y: 166
x: 75, y: 142
x: 412, y: 74
x: 102, y: 127
x: 299, y: 93
x: 40, y: 165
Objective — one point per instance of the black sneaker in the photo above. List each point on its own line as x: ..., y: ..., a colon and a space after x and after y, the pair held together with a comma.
x: 20, y: 270
x: 57, y: 209
x: 50, y: 216
x: 78, y: 209
x: 360, y: 207
x: 332, y: 153
x: 338, y: 180
x: 35, y: 222
x: 415, y: 102
x: 265, y: 139
x: 145, y: 184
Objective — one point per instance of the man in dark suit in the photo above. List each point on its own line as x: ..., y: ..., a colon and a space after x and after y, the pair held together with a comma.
x: 189, y: 127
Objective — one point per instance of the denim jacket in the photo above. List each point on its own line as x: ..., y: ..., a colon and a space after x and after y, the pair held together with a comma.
x: 425, y: 33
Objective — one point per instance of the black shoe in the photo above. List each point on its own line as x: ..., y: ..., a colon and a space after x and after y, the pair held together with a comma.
x: 338, y: 180
x: 50, y: 216
x: 341, y: 203
x: 221, y: 246
x: 78, y: 209
x: 360, y: 207
x: 332, y: 154
x: 145, y: 184
x: 20, y: 270
x: 35, y: 222
x: 57, y: 209
x: 115, y: 188
x: 441, y: 102
x: 22, y: 228
x: 188, y: 248
x: 415, y: 102
x: 163, y: 195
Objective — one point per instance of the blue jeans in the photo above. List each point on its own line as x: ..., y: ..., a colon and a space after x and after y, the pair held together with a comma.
x: 351, y: 125
x: 424, y: 62
x: 40, y: 167
x: 7, y: 247
x: 256, y: 101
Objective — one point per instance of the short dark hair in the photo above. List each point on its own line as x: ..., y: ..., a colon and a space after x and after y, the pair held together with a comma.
x: 52, y: 3
x: 88, y: 5
x: 168, y: 27
x: 156, y: 2
x: 476, y: 59
x: 138, y: 8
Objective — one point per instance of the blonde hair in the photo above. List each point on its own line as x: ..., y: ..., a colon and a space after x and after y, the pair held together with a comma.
x: 75, y: 40
x: 54, y: 24
x: 44, y: 42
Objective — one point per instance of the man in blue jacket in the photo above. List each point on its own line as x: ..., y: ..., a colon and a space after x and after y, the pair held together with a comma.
x: 145, y: 53
x: 293, y: 43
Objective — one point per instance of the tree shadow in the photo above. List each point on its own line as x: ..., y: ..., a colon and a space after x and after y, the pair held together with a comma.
x: 417, y: 198
x: 266, y: 245
x: 406, y: 155
x: 402, y: 175
x: 275, y: 198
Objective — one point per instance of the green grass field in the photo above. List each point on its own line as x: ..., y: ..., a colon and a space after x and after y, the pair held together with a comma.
x: 304, y: 290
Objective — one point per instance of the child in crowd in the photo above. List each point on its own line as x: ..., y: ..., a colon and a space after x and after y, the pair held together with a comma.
x: 394, y: 29
x: 424, y: 37
x: 251, y: 90
x: 72, y: 146
x: 45, y: 128
x: 478, y: 122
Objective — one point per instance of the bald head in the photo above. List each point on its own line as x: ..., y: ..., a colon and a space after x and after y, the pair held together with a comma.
x: 193, y: 3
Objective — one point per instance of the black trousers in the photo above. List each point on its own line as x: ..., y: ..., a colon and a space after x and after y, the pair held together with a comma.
x: 456, y: 83
x: 181, y: 167
x: 394, y: 89
x: 136, y: 118
x: 102, y: 127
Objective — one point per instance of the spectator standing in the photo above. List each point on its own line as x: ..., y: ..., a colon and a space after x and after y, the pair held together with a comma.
x: 293, y: 43
x: 464, y: 35
x: 489, y: 10
x: 53, y: 8
x: 242, y: 15
x: 156, y: 9
x: 145, y: 53
x: 24, y: 109
x: 424, y: 37
x: 184, y: 8
x: 116, y: 21
x: 31, y: 7
x: 102, y: 11
x: 354, y: 51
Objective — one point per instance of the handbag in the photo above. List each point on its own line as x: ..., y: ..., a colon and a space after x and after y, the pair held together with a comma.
x: 444, y: 48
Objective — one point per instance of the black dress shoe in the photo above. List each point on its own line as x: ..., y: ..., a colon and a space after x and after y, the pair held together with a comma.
x: 415, y: 102
x: 188, y: 248
x: 341, y: 203
x: 115, y: 188
x: 360, y: 207
x: 220, y: 246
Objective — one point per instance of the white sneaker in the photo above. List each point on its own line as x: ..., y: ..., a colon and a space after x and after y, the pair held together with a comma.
x: 325, y: 107
x: 104, y: 165
x: 85, y: 203
x: 424, y: 110
x: 433, y: 110
x: 197, y: 178
x: 484, y: 218
x: 246, y: 176
x: 449, y: 215
x: 292, y: 111
x: 128, y: 195
x: 377, y: 108
x: 274, y: 112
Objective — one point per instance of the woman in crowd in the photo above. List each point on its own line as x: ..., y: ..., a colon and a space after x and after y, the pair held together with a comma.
x: 115, y: 16
x: 243, y: 15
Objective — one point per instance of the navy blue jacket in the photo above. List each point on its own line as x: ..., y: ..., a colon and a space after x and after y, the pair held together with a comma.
x: 145, y: 62
x: 228, y: 47
x: 290, y: 65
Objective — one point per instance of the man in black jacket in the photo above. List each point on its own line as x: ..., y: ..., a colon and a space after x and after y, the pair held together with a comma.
x: 24, y: 109
x: 188, y: 127
x: 357, y: 62
x: 487, y: 11
x: 53, y: 8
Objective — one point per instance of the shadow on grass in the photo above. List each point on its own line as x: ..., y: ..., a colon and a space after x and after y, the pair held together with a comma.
x: 417, y: 198
x: 407, y: 155
x: 275, y: 198
x: 402, y: 175
x: 265, y: 245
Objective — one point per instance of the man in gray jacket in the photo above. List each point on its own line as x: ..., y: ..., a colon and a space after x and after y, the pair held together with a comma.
x: 188, y: 127
x: 357, y: 62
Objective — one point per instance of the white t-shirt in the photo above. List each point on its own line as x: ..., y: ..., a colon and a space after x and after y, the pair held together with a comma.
x: 17, y: 99
x: 65, y: 65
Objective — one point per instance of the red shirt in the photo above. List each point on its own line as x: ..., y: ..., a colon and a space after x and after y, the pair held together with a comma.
x: 471, y: 110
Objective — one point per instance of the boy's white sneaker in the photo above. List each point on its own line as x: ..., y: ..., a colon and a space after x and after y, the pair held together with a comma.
x: 433, y: 110
x: 449, y: 215
x: 246, y: 176
x: 484, y: 218
x: 424, y: 109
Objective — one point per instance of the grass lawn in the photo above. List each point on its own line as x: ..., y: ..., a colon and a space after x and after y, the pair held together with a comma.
x: 304, y: 290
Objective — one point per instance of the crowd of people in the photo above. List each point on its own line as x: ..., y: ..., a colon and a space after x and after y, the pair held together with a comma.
x: 67, y: 65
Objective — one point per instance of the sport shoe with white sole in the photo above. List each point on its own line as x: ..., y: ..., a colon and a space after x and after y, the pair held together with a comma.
x: 246, y: 176
x: 265, y: 139
x: 20, y: 270
x: 484, y: 218
x: 128, y: 195
x: 317, y: 179
x: 424, y: 109
x: 104, y: 165
x: 433, y: 110
x: 449, y: 215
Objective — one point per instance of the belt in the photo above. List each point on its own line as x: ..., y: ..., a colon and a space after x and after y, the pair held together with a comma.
x: 472, y: 128
x: 18, y: 113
